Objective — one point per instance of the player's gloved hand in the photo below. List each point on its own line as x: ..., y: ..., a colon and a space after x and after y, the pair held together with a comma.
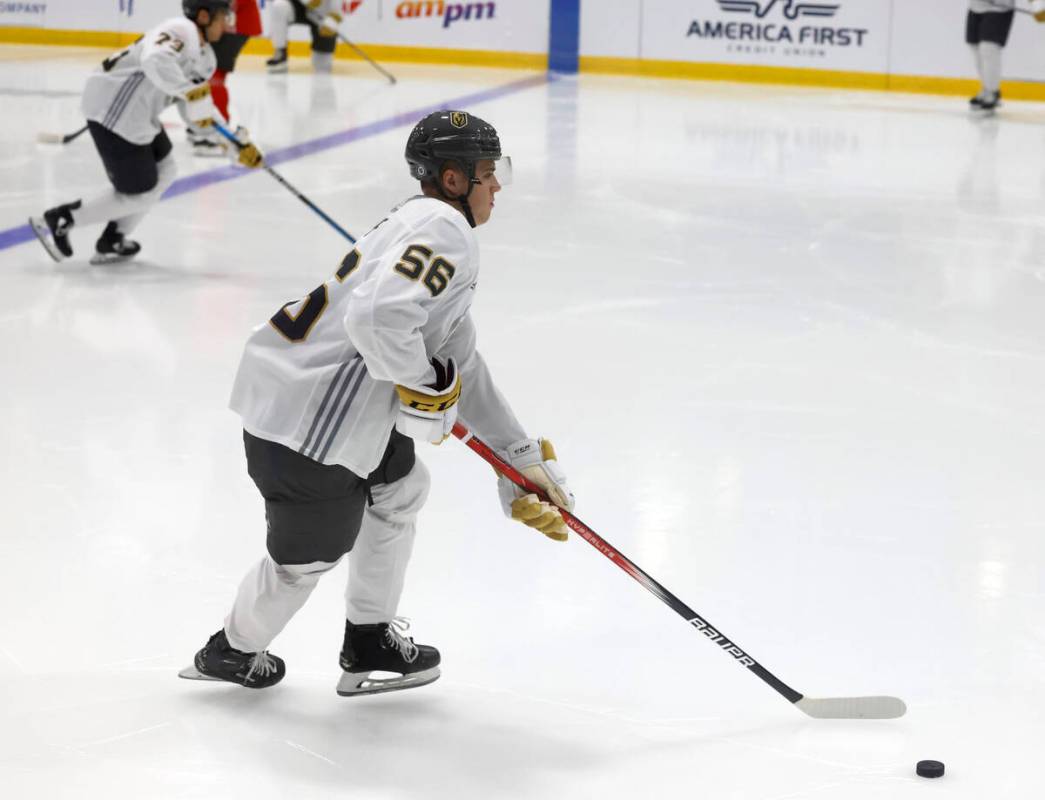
x: 535, y: 458
x: 428, y: 413
x: 329, y: 25
x: 199, y: 108
x: 1037, y: 7
x: 247, y: 153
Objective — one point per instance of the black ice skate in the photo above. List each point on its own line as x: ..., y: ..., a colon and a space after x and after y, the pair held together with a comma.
x: 207, y: 145
x: 383, y: 648
x: 279, y: 61
x: 219, y: 661
x: 52, y: 229
x: 986, y: 103
x: 112, y: 247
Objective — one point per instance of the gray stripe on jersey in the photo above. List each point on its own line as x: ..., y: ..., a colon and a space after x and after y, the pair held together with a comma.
x: 124, y: 88
x: 334, y: 407
x: 123, y: 97
x: 323, y: 405
x: 344, y: 411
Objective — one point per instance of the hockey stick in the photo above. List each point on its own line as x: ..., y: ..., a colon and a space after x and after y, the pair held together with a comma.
x: 819, y: 707
x: 359, y: 51
x: 1017, y: 9
x: 287, y: 185
x: 57, y: 138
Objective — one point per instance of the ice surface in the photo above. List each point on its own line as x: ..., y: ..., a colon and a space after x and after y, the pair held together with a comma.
x: 788, y: 343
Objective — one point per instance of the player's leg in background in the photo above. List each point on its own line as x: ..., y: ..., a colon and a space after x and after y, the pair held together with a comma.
x: 972, y: 38
x: 227, y: 50
x: 281, y: 14
x: 139, y: 173
x: 994, y: 34
x: 322, y: 50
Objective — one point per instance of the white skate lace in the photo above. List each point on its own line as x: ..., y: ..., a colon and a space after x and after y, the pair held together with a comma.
x: 395, y: 638
x: 262, y: 663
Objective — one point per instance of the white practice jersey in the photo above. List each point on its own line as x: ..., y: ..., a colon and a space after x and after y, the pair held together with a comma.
x: 320, y: 376
x: 132, y: 87
x: 991, y: 6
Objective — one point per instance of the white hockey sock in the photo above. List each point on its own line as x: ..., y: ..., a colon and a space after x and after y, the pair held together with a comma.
x: 126, y: 208
x: 378, y: 561
x: 322, y: 62
x: 279, y: 23
x: 990, y: 59
x: 978, y: 63
x: 269, y: 595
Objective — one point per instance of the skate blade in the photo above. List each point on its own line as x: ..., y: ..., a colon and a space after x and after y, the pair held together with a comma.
x: 43, y: 233
x: 209, y: 152
x: 358, y: 683
x: 102, y: 259
x: 282, y: 69
x: 193, y: 674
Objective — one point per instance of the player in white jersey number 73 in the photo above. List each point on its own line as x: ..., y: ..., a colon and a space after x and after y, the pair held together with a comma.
x: 333, y: 391
x: 122, y: 101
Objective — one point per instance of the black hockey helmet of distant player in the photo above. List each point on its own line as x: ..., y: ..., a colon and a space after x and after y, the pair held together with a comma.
x: 192, y: 8
x: 458, y: 137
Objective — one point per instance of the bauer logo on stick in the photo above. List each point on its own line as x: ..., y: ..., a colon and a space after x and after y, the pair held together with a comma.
x: 459, y: 119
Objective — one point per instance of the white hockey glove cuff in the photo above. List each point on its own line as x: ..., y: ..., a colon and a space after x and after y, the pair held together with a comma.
x: 535, y: 458
x: 428, y: 413
x: 329, y: 25
x: 199, y: 108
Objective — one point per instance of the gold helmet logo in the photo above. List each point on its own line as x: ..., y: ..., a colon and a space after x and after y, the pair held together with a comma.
x: 458, y: 119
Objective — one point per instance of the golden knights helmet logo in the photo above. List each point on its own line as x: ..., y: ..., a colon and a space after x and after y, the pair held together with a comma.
x: 459, y: 119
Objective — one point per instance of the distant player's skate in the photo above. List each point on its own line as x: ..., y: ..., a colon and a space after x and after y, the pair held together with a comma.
x: 217, y: 660
x: 985, y: 105
x: 52, y: 229
x: 383, y: 648
x: 113, y: 247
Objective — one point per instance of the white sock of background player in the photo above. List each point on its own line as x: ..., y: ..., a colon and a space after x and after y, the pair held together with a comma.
x: 990, y: 59
x: 126, y: 209
x: 280, y: 17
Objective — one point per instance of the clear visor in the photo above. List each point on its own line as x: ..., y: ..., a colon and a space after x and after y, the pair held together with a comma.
x: 502, y: 170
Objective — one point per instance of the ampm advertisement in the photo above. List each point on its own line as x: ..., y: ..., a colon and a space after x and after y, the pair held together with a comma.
x: 825, y: 34
x: 506, y: 26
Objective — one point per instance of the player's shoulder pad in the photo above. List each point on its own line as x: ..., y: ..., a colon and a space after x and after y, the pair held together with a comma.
x: 183, y: 29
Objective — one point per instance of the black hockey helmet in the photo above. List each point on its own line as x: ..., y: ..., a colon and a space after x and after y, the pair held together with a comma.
x: 450, y: 136
x: 453, y: 136
x: 192, y: 8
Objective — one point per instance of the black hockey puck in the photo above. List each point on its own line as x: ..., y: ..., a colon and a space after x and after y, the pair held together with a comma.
x: 929, y: 769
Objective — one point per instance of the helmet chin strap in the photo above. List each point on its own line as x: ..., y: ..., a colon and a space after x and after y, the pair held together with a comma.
x: 462, y: 199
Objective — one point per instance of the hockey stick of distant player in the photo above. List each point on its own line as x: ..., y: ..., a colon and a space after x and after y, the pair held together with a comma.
x: 287, y: 184
x: 57, y: 138
x: 820, y: 707
x: 359, y: 51
x: 1017, y: 9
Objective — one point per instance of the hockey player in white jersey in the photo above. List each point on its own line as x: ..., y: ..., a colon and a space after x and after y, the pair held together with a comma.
x: 122, y: 102
x: 987, y: 27
x: 323, y: 21
x: 333, y: 391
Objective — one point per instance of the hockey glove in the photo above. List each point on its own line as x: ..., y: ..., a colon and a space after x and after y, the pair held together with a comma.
x: 329, y: 25
x: 535, y: 458
x: 428, y: 413
x: 199, y: 108
x: 1037, y: 8
x: 247, y: 152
